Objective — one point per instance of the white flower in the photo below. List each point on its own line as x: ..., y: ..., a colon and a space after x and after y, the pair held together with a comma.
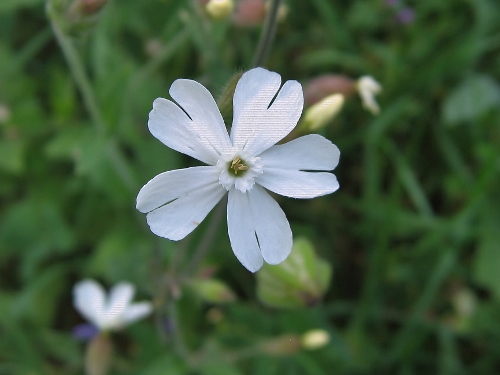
x: 89, y: 298
x: 367, y: 89
x: 244, y: 164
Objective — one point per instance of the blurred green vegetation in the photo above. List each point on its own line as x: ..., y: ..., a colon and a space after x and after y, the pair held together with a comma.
x: 412, y: 235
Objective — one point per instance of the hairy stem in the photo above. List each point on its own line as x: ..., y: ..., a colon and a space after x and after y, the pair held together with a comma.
x: 82, y: 81
x: 268, y: 34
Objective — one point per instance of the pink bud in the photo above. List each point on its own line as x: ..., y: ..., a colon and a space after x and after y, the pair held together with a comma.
x: 322, y: 86
x: 249, y: 13
x: 91, y: 6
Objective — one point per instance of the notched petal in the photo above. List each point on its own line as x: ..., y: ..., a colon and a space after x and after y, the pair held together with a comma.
x: 311, y: 152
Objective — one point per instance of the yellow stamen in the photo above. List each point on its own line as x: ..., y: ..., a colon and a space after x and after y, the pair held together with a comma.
x: 236, y: 165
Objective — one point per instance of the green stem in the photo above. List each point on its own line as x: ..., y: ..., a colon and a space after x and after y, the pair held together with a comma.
x: 407, y: 335
x: 77, y: 69
x: 207, y: 239
x: 82, y: 81
x: 268, y: 34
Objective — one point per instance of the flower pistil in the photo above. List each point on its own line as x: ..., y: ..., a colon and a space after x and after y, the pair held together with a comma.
x: 238, y: 170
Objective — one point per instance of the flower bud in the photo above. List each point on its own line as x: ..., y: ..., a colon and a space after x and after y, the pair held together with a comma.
x: 98, y: 355
x: 325, y: 85
x: 215, y: 315
x: 319, y: 114
x: 315, y: 339
x: 4, y: 113
x: 219, y: 9
x: 465, y: 302
x: 81, y: 15
x: 300, y: 280
x: 91, y: 6
x: 367, y: 88
x: 249, y: 13
x: 213, y: 290
x: 283, y: 345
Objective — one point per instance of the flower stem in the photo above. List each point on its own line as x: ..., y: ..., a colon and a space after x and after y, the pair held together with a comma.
x: 77, y: 69
x: 268, y: 34
x: 82, y: 81
x: 207, y: 239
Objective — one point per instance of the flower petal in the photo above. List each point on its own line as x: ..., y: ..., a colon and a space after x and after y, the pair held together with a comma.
x: 200, y: 106
x: 177, y: 219
x: 89, y: 298
x: 258, y: 124
x: 241, y: 229
x: 271, y: 226
x: 119, y: 298
x: 175, y: 129
x: 298, y: 184
x: 136, y: 311
x: 310, y: 152
x: 174, y: 184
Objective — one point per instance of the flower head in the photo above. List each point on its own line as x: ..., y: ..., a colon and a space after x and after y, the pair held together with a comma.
x: 243, y: 164
x: 111, y: 313
x: 368, y: 88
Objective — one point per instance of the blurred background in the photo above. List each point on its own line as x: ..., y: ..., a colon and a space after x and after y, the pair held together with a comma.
x: 398, y: 272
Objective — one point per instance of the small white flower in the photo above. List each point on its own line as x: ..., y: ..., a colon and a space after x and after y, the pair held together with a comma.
x: 367, y: 89
x: 89, y: 298
x: 244, y: 164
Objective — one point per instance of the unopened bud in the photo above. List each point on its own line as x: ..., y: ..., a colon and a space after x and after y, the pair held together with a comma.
x: 315, y: 339
x: 367, y: 88
x: 318, y: 115
x: 300, y: 280
x: 249, y: 13
x: 283, y: 345
x: 326, y: 85
x: 219, y: 9
x: 91, y: 6
x: 213, y: 290
x: 83, y: 14
x: 215, y: 315
x: 4, y: 113
x: 465, y: 302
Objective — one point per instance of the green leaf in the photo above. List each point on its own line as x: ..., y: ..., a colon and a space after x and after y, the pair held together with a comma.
x: 121, y: 256
x: 12, y: 155
x: 301, y: 280
x: 12, y: 5
x: 39, y: 300
x: 487, y: 262
x: 475, y: 96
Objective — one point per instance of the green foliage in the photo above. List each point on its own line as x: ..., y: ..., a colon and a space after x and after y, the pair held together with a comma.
x: 475, y: 96
x: 300, y: 280
x: 412, y: 231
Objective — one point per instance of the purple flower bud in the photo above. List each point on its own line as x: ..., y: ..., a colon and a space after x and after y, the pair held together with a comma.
x: 406, y: 16
x: 84, y: 331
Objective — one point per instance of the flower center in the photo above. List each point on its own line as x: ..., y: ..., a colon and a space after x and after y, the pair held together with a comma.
x: 238, y: 171
x: 238, y: 165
